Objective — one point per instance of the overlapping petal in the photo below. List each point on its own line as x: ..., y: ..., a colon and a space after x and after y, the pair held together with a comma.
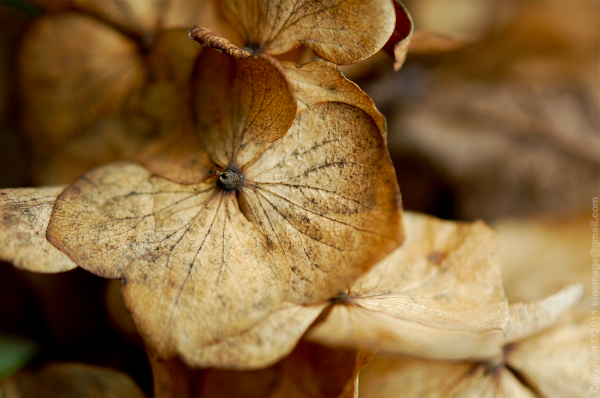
x: 241, y: 105
x: 339, y: 31
x: 327, y: 194
x: 320, y: 81
x: 285, y: 215
x: 550, y: 362
x: 442, y: 286
x: 398, y: 44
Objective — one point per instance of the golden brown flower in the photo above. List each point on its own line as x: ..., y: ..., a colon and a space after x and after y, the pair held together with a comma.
x: 291, y: 209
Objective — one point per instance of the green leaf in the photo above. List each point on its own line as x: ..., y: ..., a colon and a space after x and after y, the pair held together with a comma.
x: 15, y: 352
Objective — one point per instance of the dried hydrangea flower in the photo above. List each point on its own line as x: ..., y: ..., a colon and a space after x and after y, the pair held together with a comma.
x: 292, y: 208
x: 544, y: 355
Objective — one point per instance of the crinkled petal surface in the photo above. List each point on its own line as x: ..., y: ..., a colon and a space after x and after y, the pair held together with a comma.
x: 210, y: 270
x: 340, y: 31
x: 195, y: 271
x: 445, y: 278
x: 265, y: 343
x: 74, y: 62
x: 24, y: 217
x: 326, y: 193
x: 552, y: 363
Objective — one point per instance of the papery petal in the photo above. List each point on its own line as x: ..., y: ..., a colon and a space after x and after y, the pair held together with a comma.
x: 327, y: 194
x: 342, y: 32
x: 195, y: 272
x: 241, y: 105
x: 24, y: 217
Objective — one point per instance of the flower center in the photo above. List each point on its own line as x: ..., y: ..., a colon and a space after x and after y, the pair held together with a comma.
x: 230, y: 179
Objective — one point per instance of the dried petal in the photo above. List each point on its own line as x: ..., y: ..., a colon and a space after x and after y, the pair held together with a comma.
x: 24, y: 217
x: 342, y: 32
x: 90, y: 73
x: 310, y: 371
x: 210, y: 282
x: 179, y: 159
x: 398, y: 44
x: 186, y: 255
x: 262, y: 345
x: 154, y: 126
x: 326, y: 194
x: 320, y: 81
x: 348, y: 325
x: 444, y: 281
x: 552, y: 364
x: 250, y: 103
x: 138, y: 17
x: 557, y: 361
x: 527, y: 319
x: 401, y: 377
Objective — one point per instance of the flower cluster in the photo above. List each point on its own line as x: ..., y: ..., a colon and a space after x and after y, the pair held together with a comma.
x: 254, y: 203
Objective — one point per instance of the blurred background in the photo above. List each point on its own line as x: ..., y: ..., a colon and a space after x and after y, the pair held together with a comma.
x: 495, y: 115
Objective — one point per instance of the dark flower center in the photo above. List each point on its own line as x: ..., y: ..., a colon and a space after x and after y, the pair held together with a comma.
x: 229, y: 178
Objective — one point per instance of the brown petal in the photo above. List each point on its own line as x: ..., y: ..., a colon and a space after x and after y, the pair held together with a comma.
x: 558, y: 361
x: 527, y: 319
x: 401, y: 377
x: 310, y: 371
x: 24, y: 216
x: 350, y: 325
x: 321, y: 81
x: 342, y: 32
x: 326, y: 193
x: 442, y: 285
x: 195, y: 272
x: 74, y: 62
x: 241, y: 104
x: 132, y: 16
x: 261, y: 345
x: 71, y: 380
x: 154, y: 126
x: 446, y: 275
x: 398, y: 44
x: 180, y: 159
